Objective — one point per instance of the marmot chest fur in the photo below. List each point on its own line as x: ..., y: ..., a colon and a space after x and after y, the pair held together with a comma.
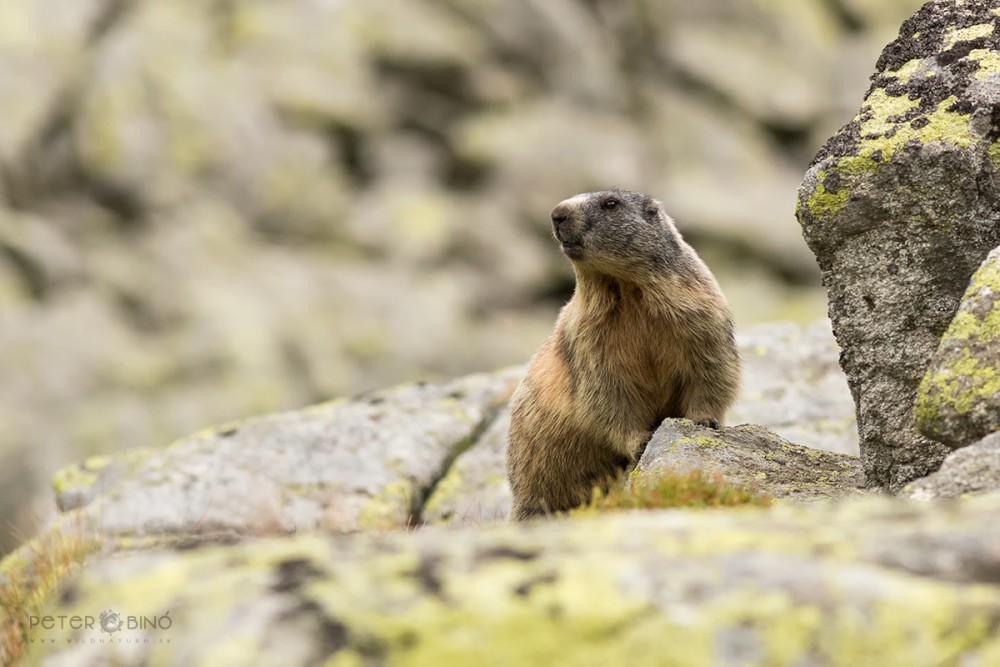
x: 647, y: 335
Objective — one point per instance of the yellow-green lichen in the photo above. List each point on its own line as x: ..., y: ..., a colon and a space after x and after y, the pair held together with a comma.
x: 576, y: 593
x: 84, y: 475
x: 856, y: 165
x: 969, y: 324
x: 882, y: 106
x: 882, y: 134
x: 988, y: 60
x: 79, y: 475
x: 958, y: 380
x: 934, y: 634
x: 955, y: 35
x: 906, y: 70
x: 965, y: 382
x: 445, y: 492
x: 885, y: 124
x: 388, y: 509
x: 708, y: 441
x: 994, y: 154
x: 825, y: 204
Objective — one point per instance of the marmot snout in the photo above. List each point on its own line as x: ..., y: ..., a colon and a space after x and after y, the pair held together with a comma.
x: 647, y: 335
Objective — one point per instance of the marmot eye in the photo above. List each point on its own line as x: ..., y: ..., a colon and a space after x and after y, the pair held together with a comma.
x: 609, y: 204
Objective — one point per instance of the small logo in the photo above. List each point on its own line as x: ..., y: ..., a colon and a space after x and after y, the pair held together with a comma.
x: 111, y: 622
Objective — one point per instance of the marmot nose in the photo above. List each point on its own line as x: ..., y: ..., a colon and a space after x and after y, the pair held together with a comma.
x: 560, y: 214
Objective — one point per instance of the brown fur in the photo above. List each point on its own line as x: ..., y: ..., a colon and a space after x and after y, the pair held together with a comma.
x: 647, y: 335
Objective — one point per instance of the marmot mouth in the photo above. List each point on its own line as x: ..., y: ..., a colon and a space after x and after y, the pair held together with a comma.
x: 573, y: 250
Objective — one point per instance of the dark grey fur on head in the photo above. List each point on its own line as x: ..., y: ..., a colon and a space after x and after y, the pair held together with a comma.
x: 618, y: 233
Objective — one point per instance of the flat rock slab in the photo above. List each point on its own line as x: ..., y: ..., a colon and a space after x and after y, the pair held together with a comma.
x: 752, y: 455
x: 368, y: 463
x: 867, y: 582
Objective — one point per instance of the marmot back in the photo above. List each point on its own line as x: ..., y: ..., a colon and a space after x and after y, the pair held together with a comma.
x: 647, y: 335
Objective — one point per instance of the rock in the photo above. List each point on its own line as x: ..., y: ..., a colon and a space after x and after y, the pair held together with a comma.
x: 793, y: 385
x: 868, y: 582
x: 341, y: 466
x: 166, y: 106
x: 971, y: 469
x: 732, y: 149
x: 736, y: 46
x: 899, y: 208
x: 475, y: 489
x: 753, y: 456
x: 41, y: 44
x: 959, y: 398
x: 81, y: 483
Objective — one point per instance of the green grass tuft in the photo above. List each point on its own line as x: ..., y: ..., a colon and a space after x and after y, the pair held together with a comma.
x: 688, y: 489
x: 30, y: 576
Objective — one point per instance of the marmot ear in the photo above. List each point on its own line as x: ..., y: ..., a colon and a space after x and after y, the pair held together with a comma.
x: 653, y: 207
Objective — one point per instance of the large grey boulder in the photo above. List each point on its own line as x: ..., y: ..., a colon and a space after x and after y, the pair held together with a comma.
x: 367, y: 463
x: 959, y: 398
x: 872, y: 582
x: 900, y: 207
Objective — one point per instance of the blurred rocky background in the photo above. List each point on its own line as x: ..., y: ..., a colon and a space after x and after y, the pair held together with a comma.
x: 214, y: 209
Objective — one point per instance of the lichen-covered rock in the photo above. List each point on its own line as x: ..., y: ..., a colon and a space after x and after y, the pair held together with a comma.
x: 369, y: 463
x: 872, y: 582
x: 899, y: 208
x: 79, y: 484
x: 971, y: 469
x: 753, y: 456
x: 959, y: 398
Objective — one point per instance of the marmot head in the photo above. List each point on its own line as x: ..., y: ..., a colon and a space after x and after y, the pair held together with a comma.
x: 615, y: 232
